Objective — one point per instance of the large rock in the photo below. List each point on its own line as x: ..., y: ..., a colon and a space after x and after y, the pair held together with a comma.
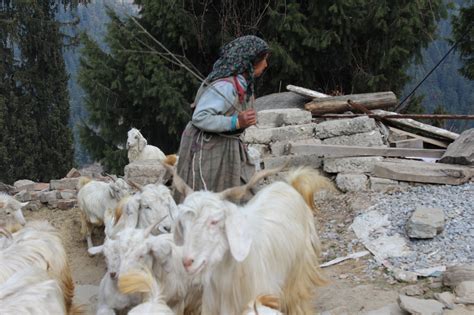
x: 24, y: 184
x: 23, y: 196
x: 367, y: 139
x: 355, y: 165
x: 447, y: 298
x: 425, y: 223
x: 283, y: 117
x: 461, y: 151
x: 344, y: 127
x: 420, y: 307
x: 49, y: 196
x: 267, y: 135
x: 281, y: 100
x: 351, y: 182
x: 457, y: 274
x: 64, y: 183
x: 146, y: 172
x: 465, y: 292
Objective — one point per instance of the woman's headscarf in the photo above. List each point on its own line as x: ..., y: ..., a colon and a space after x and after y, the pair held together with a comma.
x: 238, y: 57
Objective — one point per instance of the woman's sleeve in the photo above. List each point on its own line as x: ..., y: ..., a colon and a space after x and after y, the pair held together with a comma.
x: 209, y: 113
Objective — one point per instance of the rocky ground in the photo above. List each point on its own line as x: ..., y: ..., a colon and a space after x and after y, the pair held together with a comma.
x: 357, y: 286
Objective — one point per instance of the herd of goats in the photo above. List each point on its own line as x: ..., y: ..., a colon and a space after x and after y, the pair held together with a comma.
x: 212, y: 254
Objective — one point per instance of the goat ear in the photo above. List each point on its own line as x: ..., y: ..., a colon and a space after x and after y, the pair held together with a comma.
x: 160, y: 248
x: 238, y: 235
x: 141, y: 143
x: 178, y: 233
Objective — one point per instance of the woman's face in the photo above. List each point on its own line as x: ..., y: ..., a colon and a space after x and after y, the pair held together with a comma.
x: 259, y: 67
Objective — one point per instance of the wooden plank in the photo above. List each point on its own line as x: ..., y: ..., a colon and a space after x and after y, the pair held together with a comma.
x: 439, y: 143
x: 408, y: 143
x: 338, y: 104
x: 418, y: 127
x: 325, y: 150
x: 423, y: 172
x: 305, y: 92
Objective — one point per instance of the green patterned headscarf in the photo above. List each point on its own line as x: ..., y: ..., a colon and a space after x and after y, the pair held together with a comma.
x: 238, y: 57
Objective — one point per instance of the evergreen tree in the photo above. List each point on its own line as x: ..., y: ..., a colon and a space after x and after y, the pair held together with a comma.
x: 463, y: 29
x: 353, y: 46
x: 35, y: 142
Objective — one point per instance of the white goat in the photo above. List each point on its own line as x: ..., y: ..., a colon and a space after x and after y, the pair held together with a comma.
x: 144, y: 282
x: 268, y: 246
x: 139, y: 250
x: 39, y: 245
x: 31, y: 291
x: 139, y: 149
x: 110, y: 299
x: 94, y: 198
x: 152, y: 203
x: 11, y: 216
x: 263, y: 305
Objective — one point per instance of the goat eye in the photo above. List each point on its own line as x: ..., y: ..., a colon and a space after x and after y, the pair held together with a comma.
x: 214, y: 222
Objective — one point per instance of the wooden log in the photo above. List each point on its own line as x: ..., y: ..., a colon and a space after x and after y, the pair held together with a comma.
x: 305, y: 92
x: 423, y: 172
x: 439, y: 143
x: 338, y: 104
x: 324, y: 150
x: 417, y: 127
x: 457, y: 274
x: 408, y: 143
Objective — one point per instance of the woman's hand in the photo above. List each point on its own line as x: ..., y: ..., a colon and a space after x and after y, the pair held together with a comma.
x: 247, y: 118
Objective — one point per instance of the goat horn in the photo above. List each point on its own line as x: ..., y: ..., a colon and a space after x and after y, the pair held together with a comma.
x: 5, y: 232
x: 178, y: 182
x: 237, y: 193
x: 153, y: 225
x: 136, y: 185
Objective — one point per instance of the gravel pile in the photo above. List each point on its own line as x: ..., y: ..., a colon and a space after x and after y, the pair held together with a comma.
x: 455, y: 245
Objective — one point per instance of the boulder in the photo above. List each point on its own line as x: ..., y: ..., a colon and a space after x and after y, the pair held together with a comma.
x: 447, y: 298
x: 425, y: 223
x: 461, y: 151
x: 146, y: 172
x: 420, y: 307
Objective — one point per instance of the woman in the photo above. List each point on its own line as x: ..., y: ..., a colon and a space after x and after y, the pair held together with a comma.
x: 211, y: 154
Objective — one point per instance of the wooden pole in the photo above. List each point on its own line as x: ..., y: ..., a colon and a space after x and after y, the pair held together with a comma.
x: 339, y: 104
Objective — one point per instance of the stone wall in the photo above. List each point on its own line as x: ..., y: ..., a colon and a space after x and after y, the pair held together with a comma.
x: 277, y: 128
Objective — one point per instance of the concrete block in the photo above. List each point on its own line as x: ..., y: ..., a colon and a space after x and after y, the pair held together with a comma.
x: 355, y: 165
x: 344, y: 127
x: 351, y: 182
x: 280, y: 147
x: 267, y: 135
x: 282, y: 117
x: 64, y: 183
x: 146, y: 172
x: 367, y: 139
x: 293, y: 161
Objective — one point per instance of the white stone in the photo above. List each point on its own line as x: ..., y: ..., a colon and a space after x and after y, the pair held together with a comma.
x: 382, y: 184
x: 351, y: 182
x: 282, y: 117
x: 24, y: 184
x: 367, y: 139
x: 391, y: 309
x: 405, y: 276
x: 64, y: 183
x: 420, y: 307
x: 267, y: 135
x: 23, y: 196
x: 465, y: 292
x: 344, y: 127
x: 447, y: 298
x: 355, y: 165
x: 48, y: 196
x: 146, y: 172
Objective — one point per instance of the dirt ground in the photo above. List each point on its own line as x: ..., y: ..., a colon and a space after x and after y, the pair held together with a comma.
x: 351, y: 290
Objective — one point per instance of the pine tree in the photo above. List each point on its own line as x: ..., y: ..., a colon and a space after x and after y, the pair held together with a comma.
x: 36, y: 141
x: 354, y: 46
x: 463, y: 29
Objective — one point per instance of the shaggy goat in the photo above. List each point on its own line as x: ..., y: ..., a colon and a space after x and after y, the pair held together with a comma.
x: 139, y: 250
x: 143, y: 282
x: 268, y: 246
x: 94, y: 198
x: 39, y: 245
x: 11, y: 216
x: 139, y: 149
x: 31, y: 291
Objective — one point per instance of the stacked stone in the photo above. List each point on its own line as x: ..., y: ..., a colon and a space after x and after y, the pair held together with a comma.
x: 146, y: 172
x: 277, y: 128
x: 60, y: 193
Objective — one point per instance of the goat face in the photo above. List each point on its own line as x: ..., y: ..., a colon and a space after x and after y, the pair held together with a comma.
x: 119, y: 189
x: 202, y: 230
x: 156, y: 202
x: 111, y: 250
x: 135, y: 250
x: 10, y: 212
x: 135, y: 139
